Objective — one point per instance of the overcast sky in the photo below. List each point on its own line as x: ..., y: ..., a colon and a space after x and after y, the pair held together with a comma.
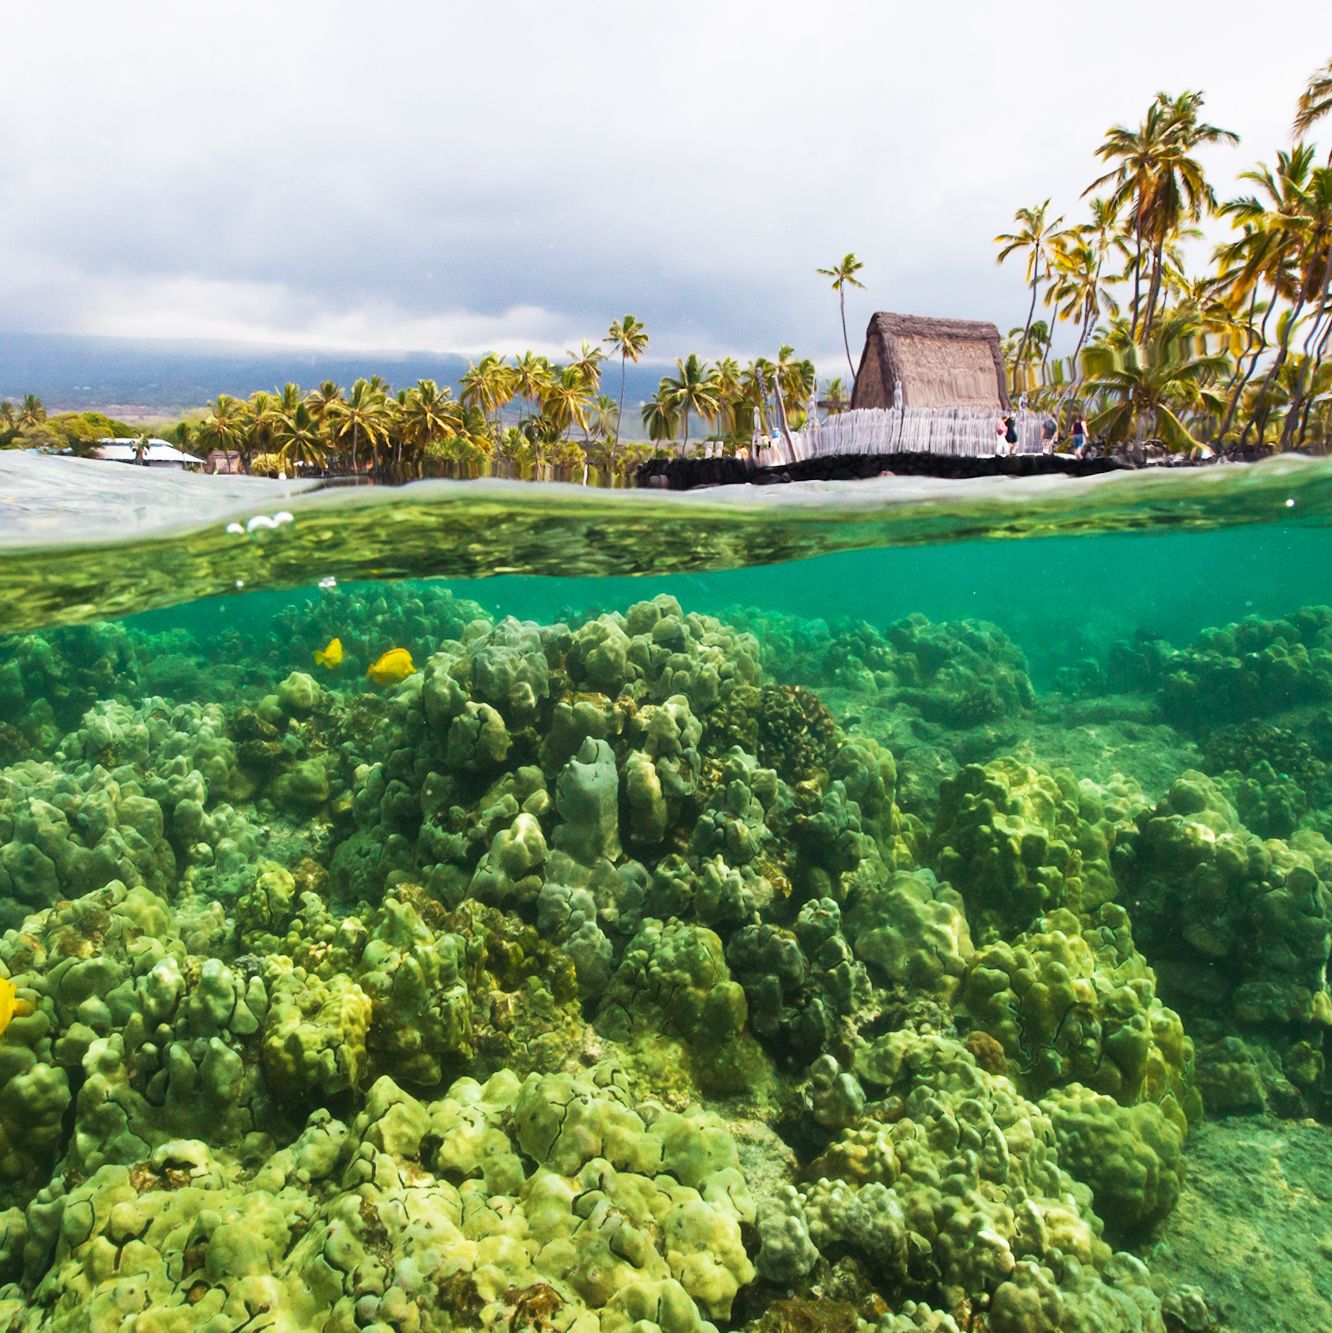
x: 432, y: 176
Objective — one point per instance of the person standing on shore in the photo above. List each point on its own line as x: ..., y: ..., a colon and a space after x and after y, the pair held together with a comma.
x: 1049, y: 434
x: 1080, y: 438
x: 1000, y: 430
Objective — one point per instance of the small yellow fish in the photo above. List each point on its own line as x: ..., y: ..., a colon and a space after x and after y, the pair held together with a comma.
x: 391, y: 667
x: 10, y: 1004
x: 330, y: 656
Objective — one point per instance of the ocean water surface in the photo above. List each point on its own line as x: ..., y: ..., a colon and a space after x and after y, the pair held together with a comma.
x: 893, y: 905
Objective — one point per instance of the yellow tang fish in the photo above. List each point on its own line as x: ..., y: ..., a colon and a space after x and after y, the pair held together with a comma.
x: 330, y: 656
x: 391, y: 667
x: 10, y: 1004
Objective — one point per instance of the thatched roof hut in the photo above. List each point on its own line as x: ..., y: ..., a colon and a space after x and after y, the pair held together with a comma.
x: 938, y: 362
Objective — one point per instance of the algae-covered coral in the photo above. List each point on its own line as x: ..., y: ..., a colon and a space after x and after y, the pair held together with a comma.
x: 642, y: 970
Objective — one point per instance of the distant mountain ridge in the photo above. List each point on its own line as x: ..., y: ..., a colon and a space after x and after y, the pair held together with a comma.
x: 72, y: 371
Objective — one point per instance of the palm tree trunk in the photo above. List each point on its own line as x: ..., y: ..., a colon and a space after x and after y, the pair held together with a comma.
x: 1264, y: 404
x: 846, y: 342
x: 620, y: 409
x: 1237, y: 370
x: 1137, y: 279
x: 1031, y: 314
x: 1307, y: 410
x: 1075, y: 377
x: 1088, y: 323
x: 1233, y: 405
x: 1319, y: 352
x: 1302, y: 400
x: 1297, y: 398
x: 1140, y: 408
x: 1153, y: 292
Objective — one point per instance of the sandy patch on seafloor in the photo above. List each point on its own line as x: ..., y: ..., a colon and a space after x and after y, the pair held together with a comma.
x: 1253, y: 1228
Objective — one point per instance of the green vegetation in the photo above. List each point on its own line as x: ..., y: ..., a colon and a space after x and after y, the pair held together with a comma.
x: 1237, y: 355
x: 26, y: 425
x: 525, y: 413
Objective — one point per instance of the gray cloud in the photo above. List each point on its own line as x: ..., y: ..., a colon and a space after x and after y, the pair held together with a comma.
x: 505, y: 175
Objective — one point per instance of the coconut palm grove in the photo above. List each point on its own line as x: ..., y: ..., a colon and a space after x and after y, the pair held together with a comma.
x: 1127, y: 322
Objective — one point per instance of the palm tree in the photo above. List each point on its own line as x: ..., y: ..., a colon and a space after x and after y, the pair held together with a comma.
x: 531, y: 378
x: 226, y: 426
x: 1268, y: 253
x: 1181, y: 192
x: 266, y: 412
x: 1036, y: 235
x: 185, y: 435
x: 1318, y: 403
x: 8, y: 414
x: 429, y: 415
x: 1135, y: 154
x: 1286, y: 243
x: 587, y: 362
x: 1076, y: 292
x: 754, y: 390
x: 795, y: 381
x: 844, y: 276
x: 603, y: 428
x: 730, y: 392
x: 629, y: 337
x: 297, y: 435
x: 30, y: 413
x: 1158, y: 183
x: 694, y: 389
x: 1317, y: 277
x: 489, y: 384
x: 360, y: 417
x: 1153, y: 386
x: 1024, y: 352
x: 1079, y: 289
x: 567, y: 401
x: 659, y: 418
x: 262, y: 416
x: 395, y: 434
x: 1315, y: 103
x: 1254, y: 323
x: 323, y: 404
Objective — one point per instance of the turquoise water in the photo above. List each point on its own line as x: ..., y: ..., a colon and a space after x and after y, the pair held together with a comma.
x: 910, y: 912
x: 1058, y: 597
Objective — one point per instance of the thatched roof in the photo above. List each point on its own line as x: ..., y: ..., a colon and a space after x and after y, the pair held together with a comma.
x: 940, y: 363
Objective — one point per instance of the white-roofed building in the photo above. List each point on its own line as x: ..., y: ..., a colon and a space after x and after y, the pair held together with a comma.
x: 150, y: 453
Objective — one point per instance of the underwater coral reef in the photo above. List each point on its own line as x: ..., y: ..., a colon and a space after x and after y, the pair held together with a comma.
x: 646, y: 970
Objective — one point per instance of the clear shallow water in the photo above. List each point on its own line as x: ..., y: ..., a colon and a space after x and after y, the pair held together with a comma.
x: 197, y: 536
x: 864, y: 903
